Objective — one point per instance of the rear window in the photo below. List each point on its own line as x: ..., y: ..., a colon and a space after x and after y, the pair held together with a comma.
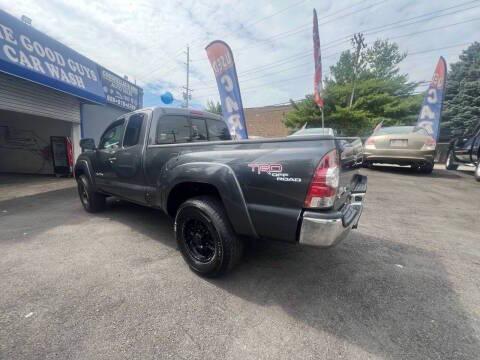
x: 199, y: 130
x: 395, y: 130
x: 217, y: 130
x: 173, y: 129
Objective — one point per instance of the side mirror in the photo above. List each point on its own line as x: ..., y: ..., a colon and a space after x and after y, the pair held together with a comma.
x: 87, y: 144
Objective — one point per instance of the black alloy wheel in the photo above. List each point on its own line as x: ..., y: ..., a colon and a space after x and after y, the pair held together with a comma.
x: 83, y: 193
x: 205, y: 236
x: 91, y: 200
x: 199, y: 239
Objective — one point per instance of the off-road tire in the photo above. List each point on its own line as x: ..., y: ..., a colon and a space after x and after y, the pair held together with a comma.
x: 228, y: 246
x: 450, y: 164
x: 91, y: 201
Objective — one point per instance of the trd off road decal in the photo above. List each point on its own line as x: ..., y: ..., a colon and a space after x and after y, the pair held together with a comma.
x: 274, y: 170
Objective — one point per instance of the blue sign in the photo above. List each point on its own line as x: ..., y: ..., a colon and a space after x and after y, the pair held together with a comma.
x: 119, y: 91
x: 221, y: 59
x: 431, y: 110
x: 27, y: 53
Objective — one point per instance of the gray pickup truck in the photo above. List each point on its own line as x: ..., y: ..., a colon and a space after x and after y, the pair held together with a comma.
x: 222, y: 192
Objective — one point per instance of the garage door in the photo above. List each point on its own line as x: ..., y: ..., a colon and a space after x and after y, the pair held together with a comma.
x: 23, y: 96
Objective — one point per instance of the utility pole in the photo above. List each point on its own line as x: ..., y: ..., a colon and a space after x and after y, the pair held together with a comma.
x: 358, y: 41
x: 187, y: 95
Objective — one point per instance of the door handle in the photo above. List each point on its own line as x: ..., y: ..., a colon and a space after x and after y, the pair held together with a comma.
x: 112, y: 159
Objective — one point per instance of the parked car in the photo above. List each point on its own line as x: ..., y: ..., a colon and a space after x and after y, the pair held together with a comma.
x: 313, y: 131
x: 352, y: 147
x: 401, y: 145
x: 465, y: 149
x: 221, y: 191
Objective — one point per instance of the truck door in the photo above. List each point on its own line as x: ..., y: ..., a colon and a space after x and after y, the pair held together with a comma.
x: 105, y: 156
x: 476, y: 146
x: 127, y: 164
x: 165, y: 131
x: 463, y: 146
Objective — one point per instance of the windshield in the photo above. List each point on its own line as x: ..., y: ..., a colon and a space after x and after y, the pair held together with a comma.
x: 395, y: 130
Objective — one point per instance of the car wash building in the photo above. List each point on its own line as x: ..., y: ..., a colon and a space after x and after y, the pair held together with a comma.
x: 50, y: 97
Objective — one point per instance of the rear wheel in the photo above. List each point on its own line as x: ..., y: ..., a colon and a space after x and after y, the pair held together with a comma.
x: 450, y: 163
x: 205, y: 237
x: 91, y: 201
x: 426, y: 168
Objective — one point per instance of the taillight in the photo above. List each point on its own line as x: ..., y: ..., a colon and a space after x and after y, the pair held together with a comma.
x: 370, y: 143
x: 323, y: 188
x: 429, y: 144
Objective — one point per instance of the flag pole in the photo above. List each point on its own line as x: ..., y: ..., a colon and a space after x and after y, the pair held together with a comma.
x: 323, y: 120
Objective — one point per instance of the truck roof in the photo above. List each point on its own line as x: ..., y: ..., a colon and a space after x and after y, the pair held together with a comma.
x: 164, y: 110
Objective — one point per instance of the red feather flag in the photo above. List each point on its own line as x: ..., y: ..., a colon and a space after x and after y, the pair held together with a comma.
x: 317, y: 82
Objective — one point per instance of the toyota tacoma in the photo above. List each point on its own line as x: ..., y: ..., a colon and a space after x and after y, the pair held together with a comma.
x: 221, y: 192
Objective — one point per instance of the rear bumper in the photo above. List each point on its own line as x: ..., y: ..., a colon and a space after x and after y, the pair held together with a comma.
x: 399, y: 156
x: 327, y: 229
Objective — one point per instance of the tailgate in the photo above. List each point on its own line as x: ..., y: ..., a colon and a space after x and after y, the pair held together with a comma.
x: 351, y: 158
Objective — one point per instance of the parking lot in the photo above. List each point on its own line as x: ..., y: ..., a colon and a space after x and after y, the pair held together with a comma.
x: 405, y: 285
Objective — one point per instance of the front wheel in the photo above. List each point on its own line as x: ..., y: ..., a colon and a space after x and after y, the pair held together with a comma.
x: 91, y: 201
x: 450, y: 163
x: 477, y: 172
x: 205, y: 237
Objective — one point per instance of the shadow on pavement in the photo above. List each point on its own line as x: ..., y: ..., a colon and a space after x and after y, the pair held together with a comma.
x: 38, y: 213
x: 407, y: 171
x: 390, y: 299
x: 151, y: 222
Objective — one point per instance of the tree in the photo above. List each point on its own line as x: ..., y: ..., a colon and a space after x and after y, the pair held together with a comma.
x: 380, y: 93
x: 461, y: 108
x: 383, y: 58
x: 214, y: 107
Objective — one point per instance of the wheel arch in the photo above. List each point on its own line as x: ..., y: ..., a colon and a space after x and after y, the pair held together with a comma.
x: 82, y: 168
x: 195, y: 179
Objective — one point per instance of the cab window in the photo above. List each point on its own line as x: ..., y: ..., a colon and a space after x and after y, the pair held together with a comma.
x: 112, y: 137
x: 132, y: 132
x: 199, y: 130
x: 217, y: 130
x: 172, y: 129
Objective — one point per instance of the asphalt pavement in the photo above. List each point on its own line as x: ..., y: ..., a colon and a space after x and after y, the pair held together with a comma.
x: 405, y: 285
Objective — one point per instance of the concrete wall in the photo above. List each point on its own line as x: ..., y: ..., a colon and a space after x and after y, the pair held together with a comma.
x: 96, y: 118
x: 25, y: 142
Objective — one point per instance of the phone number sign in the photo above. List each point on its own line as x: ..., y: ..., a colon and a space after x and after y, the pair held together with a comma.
x: 120, y: 92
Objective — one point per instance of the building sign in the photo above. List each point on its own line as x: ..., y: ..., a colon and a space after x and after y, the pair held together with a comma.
x: 27, y: 53
x: 119, y: 91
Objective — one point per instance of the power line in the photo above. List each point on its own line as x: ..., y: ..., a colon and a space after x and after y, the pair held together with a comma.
x: 271, y: 73
x: 367, y: 31
x: 344, y: 39
x: 307, y: 25
x: 310, y: 74
x: 263, y: 19
x: 330, y: 55
x: 274, y: 14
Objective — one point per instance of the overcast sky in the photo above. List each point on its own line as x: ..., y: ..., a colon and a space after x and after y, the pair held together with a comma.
x: 271, y: 40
